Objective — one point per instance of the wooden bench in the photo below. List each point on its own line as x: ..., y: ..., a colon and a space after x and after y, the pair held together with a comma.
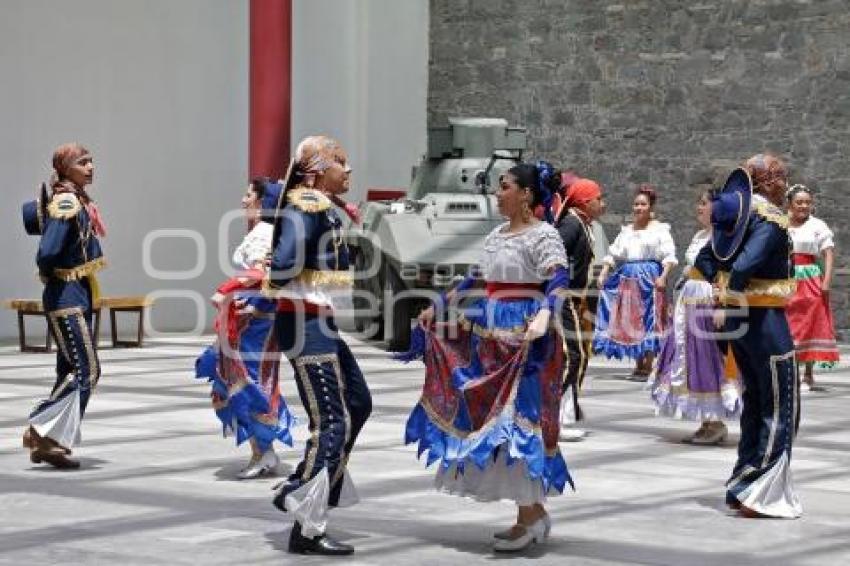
x: 31, y: 307
x: 115, y: 305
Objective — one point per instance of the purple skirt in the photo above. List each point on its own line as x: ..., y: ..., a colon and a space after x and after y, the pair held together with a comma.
x: 690, y: 381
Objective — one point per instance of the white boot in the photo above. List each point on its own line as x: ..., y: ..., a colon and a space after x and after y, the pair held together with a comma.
x: 265, y: 465
x: 529, y: 535
x: 547, y: 528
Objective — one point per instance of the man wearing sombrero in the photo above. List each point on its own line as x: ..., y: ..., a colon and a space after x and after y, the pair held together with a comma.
x: 748, y: 261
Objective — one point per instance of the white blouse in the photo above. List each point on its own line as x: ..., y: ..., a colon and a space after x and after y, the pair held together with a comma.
x: 698, y: 242
x: 812, y: 237
x: 254, y: 247
x: 524, y: 257
x: 652, y: 243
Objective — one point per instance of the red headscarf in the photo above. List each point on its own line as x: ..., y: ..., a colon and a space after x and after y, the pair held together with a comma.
x: 63, y: 159
x: 580, y: 193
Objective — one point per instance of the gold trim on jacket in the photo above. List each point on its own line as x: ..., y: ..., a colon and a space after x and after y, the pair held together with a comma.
x: 75, y: 273
x: 313, y: 278
x: 772, y: 213
x: 757, y: 293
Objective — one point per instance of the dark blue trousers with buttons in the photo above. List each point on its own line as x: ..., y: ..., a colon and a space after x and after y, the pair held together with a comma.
x: 332, y: 390
x: 765, y: 357
x: 68, y: 305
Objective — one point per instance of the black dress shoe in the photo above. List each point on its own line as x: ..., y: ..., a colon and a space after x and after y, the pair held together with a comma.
x: 322, y: 544
x: 279, y: 501
x: 732, y: 502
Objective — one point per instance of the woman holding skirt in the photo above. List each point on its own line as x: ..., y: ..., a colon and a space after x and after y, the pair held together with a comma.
x: 489, y: 406
x: 692, y: 380
x: 631, y: 314
x: 808, y: 310
x: 243, y: 365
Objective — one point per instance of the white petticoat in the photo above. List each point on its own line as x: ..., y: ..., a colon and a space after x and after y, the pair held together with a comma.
x: 497, y: 482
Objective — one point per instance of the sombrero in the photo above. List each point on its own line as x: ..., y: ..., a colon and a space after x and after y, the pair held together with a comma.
x: 730, y: 210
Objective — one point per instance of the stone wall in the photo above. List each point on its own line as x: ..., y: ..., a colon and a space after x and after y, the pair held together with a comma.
x: 670, y: 92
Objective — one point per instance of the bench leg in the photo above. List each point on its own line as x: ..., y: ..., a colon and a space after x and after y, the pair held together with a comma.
x: 140, y: 329
x: 96, y: 336
x: 113, y: 328
x: 141, y: 333
x: 22, y: 334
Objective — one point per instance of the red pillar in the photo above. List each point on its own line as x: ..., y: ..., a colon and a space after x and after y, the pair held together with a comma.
x: 271, y: 86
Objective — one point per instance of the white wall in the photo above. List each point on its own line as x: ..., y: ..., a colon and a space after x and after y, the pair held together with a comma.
x: 360, y: 74
x: 158, y: 90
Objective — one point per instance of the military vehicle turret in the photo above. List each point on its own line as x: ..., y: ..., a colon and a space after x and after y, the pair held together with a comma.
x: 408, y: 247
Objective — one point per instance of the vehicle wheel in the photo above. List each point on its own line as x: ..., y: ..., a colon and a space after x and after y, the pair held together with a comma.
x: 371, y: 323
x: 403, y: 311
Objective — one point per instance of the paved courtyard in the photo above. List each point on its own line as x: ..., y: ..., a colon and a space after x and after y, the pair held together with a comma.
x: 158, y: 486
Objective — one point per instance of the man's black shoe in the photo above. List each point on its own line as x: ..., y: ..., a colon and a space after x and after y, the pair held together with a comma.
x: 279, y: 500
x: 322, y: 544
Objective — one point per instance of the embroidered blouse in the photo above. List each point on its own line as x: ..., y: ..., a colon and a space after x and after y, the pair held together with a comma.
x: 254, y: 247
x: 524, y: 257
x: 653, y: 243
x: 812, y: 237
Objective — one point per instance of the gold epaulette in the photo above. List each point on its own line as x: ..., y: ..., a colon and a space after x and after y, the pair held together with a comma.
x: 308, y: 200
x: 64, y: 206
x: 772, y: 213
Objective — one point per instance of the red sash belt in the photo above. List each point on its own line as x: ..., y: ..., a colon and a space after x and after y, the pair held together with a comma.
x: 804, y: 259
x: 512, y: 291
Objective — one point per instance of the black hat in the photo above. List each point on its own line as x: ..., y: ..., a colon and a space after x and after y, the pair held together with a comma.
x: 34, y: 213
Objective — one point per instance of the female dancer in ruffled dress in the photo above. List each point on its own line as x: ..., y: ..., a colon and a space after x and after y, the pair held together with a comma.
x: 808, y: 310
x: 692, y: 381
x: 631, y: 314
x: 243, y: 366
x: 489, y: 406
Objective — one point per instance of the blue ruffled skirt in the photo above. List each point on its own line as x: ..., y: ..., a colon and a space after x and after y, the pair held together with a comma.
x: 630, y: 319
x: 490, y: 405
x: 244, y: 377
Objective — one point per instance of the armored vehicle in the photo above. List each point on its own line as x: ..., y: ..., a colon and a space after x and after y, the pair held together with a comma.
x: 411, y: 245
x: 408, y: 247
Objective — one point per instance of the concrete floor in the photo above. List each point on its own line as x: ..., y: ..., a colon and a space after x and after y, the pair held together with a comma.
x: 158, y: 483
